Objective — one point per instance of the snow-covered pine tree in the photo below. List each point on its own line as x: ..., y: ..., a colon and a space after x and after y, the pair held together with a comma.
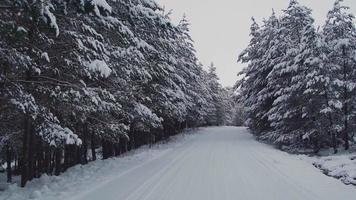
x: 212, y: 87
x: 286, y: 114
x: 216, y: 109
x: 248, y: 89
x: 340, y: 36
x: 188, y: 75
x: 229, y: 106
x: 312, y: 83
x: 261, y: 56
x: 153, y: 31
x: 203, y: 98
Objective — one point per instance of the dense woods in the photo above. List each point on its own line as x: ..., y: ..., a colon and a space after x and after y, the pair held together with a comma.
x: 85, y: 79
x: 299, y: 89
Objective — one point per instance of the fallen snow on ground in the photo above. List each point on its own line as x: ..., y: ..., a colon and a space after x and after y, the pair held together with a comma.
x: 224, y: 163
x: 81, y: 178
x: 341, y: 166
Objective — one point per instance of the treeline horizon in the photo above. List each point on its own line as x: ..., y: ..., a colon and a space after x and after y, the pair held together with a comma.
x: 79, y: 76
x: 299, y: 88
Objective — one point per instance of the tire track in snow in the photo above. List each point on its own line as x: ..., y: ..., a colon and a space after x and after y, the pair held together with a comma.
x: 155, y: 179
x: 223, y: 164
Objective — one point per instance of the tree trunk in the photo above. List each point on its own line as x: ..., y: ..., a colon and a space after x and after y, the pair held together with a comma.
x: 8, y: 162
x: 331, y: 124
x: 66, y: 157
x: 79, y: 155
x: 334, y: 143
x: 92, y: 145
x: 346, y: 124
x: 84, y: 147
x: 47, y: 160
x: 53, y: 161
x: 25, y: 151
x: 16, y: 165
x: 345, y: 108
x: 31, y: 157
x: 132, y: 140
x: 117, y: 149
x: 40, y: 159
x: 346, y: 134
x: 105, y: 149
x: 58, y: 159
x: 148, y: 139
x: 126, y: 148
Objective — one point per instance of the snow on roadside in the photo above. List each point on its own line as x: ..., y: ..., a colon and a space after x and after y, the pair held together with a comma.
x: 342, y: 167
x: 84, y: 177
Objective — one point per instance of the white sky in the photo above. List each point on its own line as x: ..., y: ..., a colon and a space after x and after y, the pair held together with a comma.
x: 220, y: 28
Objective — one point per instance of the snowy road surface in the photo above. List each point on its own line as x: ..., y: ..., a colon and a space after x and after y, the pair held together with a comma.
x: 222, y: 164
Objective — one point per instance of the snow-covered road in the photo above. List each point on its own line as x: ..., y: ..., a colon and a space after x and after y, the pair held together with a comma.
x: 221, y: 164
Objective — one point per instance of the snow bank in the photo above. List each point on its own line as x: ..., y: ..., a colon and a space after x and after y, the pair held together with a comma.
x: 342, y: 167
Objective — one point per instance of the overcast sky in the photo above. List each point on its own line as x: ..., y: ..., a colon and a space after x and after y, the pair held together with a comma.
x: 220, y: 28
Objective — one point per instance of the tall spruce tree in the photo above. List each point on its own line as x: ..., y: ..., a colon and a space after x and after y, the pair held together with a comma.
x: 340, y: 34
x: 286, y: 114
x: 261, y: 54
x: 312, y: 81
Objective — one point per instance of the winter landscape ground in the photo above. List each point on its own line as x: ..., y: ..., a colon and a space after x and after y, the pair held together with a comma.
x: 223, y: 163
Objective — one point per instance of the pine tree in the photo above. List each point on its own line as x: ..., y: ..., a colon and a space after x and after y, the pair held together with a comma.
x: 286, y: 114
x: 257, y: 98
x: 340, y: 33
x: 312, y: 82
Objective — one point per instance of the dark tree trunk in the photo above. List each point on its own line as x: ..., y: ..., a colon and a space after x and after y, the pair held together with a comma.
x: 92, y: 145
x: 84, y: 147
x: 31, y: 157
x: 66, y: 157
x: 148, y: 139
x: 47, y: 160
x: 117, y: 148
x: 79, y: 155
x: 15, y: 171
x: 132, y: 140
x: 8, y: 163
x: 345, y: 106
x: 58, y: 165
x: 53, y: 161
x: 346, y: 133
x: 316, y: 143
x: 334, y: 142
x: 109, y: 149
x: 105, y: 149
x: 331, y: 124
x: 125, y: 145
x: 346, y: 124
x: 26, y: 147
x: 40, y: 159
x: 25, y: 151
